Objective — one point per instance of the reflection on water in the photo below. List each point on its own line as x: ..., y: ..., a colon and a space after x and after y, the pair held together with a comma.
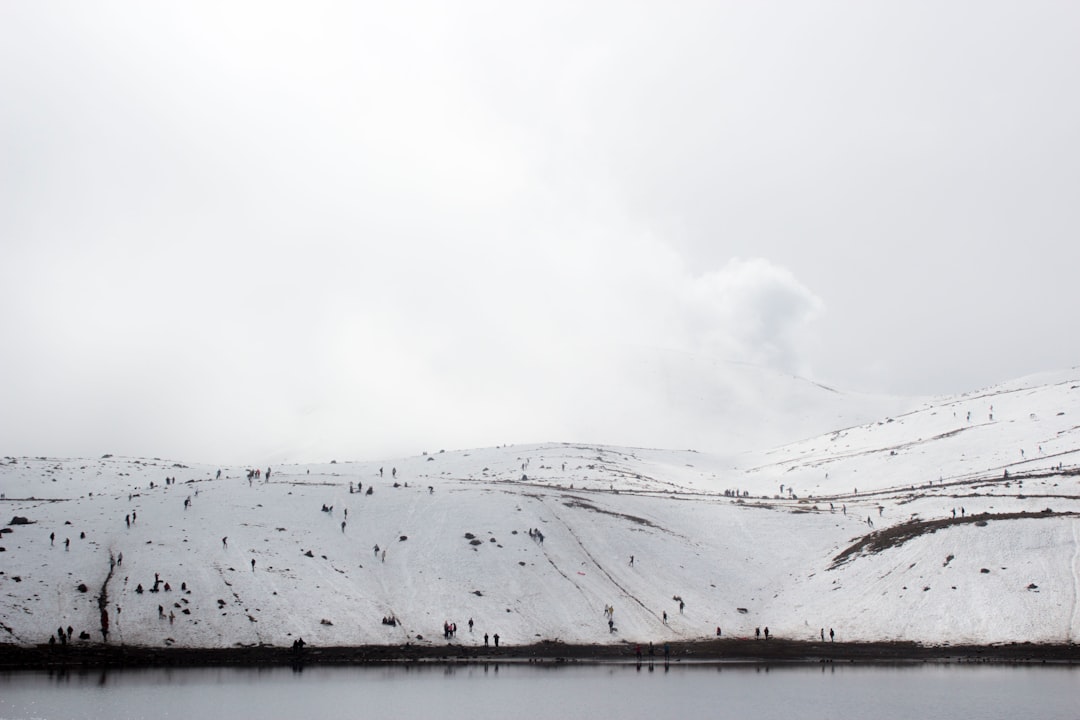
x: 552, y: 692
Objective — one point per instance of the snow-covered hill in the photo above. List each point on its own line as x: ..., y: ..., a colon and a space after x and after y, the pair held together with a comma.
x: 853, y: 530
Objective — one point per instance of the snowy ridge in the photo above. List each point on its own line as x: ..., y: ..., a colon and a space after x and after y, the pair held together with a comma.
x: 852, y: 530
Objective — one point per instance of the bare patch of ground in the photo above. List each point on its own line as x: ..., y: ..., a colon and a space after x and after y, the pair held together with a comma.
x: 897, y: 535
x: 745, y: 650
x: 579, y: 503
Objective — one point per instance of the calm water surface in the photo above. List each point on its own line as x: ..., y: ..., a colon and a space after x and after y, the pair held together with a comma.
x: 475, y: 692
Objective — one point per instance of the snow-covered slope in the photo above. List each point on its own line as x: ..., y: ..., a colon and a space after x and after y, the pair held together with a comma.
x: 779, y: 538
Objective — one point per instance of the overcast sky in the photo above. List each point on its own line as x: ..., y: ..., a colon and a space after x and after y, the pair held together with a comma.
x: 286, y: 230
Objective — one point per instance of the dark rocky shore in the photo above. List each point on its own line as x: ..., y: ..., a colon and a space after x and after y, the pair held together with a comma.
x: 710, y: 651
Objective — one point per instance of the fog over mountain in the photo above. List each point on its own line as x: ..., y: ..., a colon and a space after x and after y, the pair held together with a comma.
x: 269, y: 232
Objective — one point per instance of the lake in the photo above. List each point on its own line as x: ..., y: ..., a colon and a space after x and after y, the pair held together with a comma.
x: 563, y: 692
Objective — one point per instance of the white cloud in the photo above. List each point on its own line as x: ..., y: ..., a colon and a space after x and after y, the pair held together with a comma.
x: 361, y: 228
x: 753, y: 311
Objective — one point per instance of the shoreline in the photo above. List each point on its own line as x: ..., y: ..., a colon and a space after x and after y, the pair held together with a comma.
x: 724, y: 651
